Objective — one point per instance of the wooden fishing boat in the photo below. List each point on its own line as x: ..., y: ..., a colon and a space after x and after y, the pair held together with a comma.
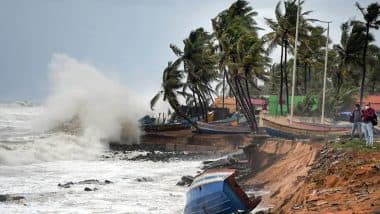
x: 216, y: 191
x: 206, y: 128
x: 302, y: 131
x: 329, y: 127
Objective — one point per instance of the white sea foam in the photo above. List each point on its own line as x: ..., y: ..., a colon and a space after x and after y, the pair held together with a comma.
x: 103, y: 106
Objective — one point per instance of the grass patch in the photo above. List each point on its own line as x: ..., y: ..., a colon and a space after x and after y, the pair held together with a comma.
x: 356, y: 144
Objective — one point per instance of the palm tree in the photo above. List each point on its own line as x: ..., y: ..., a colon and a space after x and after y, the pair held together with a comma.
x: 199, y: 61
x: 348, y: 51
x: 171, y: 87
x: 374, y: 66
x: 371, y: 17
x: 311, y: 53
x: 242, y: 57
x: 283, y: 34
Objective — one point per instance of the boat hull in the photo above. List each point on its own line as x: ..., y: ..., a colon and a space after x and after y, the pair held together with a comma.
x: 205, y: 128
x: 217, y: 192
x: 165, y: 127
x: 298, y: 131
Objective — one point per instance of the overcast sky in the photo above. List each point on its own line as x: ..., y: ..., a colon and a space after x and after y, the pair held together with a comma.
x: 127, y: 39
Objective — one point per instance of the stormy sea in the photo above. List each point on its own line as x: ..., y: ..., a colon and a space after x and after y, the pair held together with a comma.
x: 47, y: 166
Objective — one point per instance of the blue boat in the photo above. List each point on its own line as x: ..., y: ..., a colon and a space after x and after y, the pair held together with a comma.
x: 216, y: 191
x: 206, y: 128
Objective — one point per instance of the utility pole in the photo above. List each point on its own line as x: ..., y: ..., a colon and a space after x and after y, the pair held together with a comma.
x: 325, y: 73
x: 294, y: 65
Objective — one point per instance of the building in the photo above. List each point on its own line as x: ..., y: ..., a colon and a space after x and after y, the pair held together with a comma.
x: 230, y: 103
x: 374, y: 100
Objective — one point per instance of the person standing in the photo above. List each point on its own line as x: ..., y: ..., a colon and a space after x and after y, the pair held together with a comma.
x: 356, y: 120
x: 368, y: 117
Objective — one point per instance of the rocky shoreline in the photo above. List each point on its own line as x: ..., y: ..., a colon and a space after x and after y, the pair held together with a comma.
x: 287, y: 172
x: 293, y: 177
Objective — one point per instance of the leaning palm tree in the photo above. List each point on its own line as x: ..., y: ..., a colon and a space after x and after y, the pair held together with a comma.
x: 371, y: 16
x: 171, y: 87
x: 241, y: 53
x: 199, y: 61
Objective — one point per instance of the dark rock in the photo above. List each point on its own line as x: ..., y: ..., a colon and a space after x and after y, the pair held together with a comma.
x: 137, y: 147
x: 88, y: 189
x: 89, y: 181
x: 6, y: 197
x: 181, y: 183
x: 108, y: 182
x: 187, y: 179
x: 143, y: 179
x: 66, y: 185
x: 17, y: 198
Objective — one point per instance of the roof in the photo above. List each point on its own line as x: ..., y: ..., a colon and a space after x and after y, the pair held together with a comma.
x: 258, y: 102
x: 231, y: 101
x: 374, y: 100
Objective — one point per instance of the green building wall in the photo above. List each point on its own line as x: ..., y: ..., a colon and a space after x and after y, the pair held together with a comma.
x: 274, y: 106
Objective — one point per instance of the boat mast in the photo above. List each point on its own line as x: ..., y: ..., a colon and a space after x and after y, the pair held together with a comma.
x: 325, y: 72
x: 294, y: 66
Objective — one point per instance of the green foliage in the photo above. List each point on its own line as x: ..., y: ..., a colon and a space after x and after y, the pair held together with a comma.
x: 354, y: 144
x: 343, y: 101
x: 307, y: 106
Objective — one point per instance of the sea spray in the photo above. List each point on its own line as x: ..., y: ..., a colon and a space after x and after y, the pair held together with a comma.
x: 104, y: 109
x: 101, y: 104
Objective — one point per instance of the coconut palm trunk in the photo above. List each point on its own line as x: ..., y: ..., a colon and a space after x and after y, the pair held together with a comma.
x: 281, y: 78
x: 174, y: 105
x: 305, y: 78
x: 364, y: 64
x: 286, y: 75
x: 224, y: 88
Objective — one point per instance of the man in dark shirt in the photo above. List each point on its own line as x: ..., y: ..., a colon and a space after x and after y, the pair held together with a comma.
x: 356, y: 119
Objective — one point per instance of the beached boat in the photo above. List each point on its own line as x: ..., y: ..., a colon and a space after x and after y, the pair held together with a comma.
x: 206, y: 128
x: 328, y: 127
x: 299, y: 130
x: 216, y: 191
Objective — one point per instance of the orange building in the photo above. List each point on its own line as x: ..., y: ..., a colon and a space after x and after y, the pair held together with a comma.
x: 374, y: 100
x: 230, y: 103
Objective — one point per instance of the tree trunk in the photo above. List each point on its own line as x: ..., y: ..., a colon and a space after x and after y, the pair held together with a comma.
x: 286, y: 76
x: 373, y: 84
x: 236, y: 96
x: 252, y: 108
x: 305, y: 77
x: 243, y: 102
x: 273, y: 79
x: 200, y: 103
x: 196, y: 103
x: 174, y: 105
x: 205, y: 105
x: 281, y: 77
x: 364, y: 64
x: 224, y: 87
